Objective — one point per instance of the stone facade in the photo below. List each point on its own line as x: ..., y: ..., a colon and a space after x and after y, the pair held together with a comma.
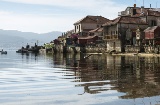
x: 127, y: 31
x: 83, y: 26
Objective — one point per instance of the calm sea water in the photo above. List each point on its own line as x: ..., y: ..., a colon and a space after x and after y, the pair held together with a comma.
x: 71, y: 80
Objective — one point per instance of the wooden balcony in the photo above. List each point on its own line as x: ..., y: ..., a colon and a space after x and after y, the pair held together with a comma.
x: 110, y: 37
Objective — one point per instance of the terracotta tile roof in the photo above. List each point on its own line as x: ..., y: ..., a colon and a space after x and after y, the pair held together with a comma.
x: 101, y: 19
x: 112, y: 22
x: 100, y: 29
x: 153, y: 13
x: 80, y: 20
x: 131, y: 20
x: 86, y: 30
x: 125, y: 19
x: 151, y: 29
x: 96, y: 30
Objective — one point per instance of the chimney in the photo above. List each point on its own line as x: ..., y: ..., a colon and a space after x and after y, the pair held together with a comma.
x: 150, y: 5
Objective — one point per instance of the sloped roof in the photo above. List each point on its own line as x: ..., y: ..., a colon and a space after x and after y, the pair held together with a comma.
x: 100, y: 29
x: 153, y: 13
x: 125, y: 19
x: 132, y: 20
x: 112, y: 22
x: 86, y: 30
x: 151, y: 29
x: 100, y: 19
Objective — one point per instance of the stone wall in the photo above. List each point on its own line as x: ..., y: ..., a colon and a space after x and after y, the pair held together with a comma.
x: 114, y: 45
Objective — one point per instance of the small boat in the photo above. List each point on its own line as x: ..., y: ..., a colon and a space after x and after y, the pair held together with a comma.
x: 22, y: 51
x: 3, y: 52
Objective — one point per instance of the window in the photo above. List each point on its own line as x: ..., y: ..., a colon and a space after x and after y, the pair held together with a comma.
x: 116, y: 32
x: 79, y: 28
x: 153, y: 23
x: 75, y: 28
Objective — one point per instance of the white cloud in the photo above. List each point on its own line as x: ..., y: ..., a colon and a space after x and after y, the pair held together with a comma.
x: 58, y: 21
x: 87, y: 5
x: 4, y: 13
x: 70, y: 3
x: 34, y: 23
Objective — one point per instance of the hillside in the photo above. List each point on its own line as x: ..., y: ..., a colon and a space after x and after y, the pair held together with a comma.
x: 18, y: 36
x: 11, y: 39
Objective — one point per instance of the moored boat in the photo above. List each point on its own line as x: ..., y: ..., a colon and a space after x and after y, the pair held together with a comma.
x: 22, y: 51
x: 3, y: 52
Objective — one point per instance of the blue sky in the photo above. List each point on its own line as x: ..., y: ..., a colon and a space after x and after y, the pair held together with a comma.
x: 43, y: 16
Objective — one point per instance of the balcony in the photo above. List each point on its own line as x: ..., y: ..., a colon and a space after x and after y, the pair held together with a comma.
x: 110, y: 37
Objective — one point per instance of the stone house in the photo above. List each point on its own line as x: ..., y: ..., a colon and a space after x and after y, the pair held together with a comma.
x: 126, y: 33
x: 150, y: 15
x: 88, y: 23
x: 121, y: 32
x: 152, y: 39
x: 152, y: 34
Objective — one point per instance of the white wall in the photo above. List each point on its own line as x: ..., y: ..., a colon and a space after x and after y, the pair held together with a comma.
x: 79, y: 29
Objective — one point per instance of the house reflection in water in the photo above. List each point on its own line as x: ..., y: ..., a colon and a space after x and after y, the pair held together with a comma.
x: 140, y: 78
x: 135, y: 76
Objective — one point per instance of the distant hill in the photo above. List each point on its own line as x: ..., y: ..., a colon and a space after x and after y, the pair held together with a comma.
x: 18, y: 36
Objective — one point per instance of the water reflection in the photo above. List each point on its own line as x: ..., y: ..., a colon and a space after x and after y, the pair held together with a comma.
x: 135, y: 76
x: 29, y: 55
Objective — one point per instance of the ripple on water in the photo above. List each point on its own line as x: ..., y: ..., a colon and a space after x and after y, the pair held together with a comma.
x: 53, y: 80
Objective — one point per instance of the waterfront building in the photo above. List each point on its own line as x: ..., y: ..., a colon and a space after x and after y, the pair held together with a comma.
x: 121, y: 32
x: 126, y: 33
x: 88, y: 23
x: 152, y: 39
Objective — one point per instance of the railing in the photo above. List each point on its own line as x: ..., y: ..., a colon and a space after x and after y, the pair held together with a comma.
x: 110, y: 37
